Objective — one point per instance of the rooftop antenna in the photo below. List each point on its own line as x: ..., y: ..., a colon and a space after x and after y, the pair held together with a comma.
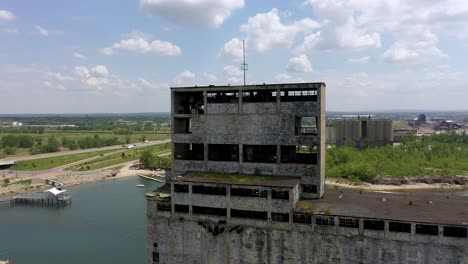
x: 244, y: 66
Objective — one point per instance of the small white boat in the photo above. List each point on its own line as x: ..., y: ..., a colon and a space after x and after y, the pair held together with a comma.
x: 140, y: 185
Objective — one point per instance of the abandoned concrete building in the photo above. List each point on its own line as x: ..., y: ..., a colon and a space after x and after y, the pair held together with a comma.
x: 247, y: 186
x: 360, y: 129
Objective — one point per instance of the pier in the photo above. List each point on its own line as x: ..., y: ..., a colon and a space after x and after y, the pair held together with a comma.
x: 148, y: 177
x: 41, y: 198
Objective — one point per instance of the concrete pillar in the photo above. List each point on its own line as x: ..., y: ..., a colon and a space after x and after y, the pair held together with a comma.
x: 361, y: 227
x: 386, y: 228
x: 205, y: 102
x: 413, y: 230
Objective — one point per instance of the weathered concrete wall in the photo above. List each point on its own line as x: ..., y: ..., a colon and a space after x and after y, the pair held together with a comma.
x: 184, y: 241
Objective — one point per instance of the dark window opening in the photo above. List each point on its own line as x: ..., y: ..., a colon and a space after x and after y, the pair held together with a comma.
x: 302, y: 218
x: 260, y: 153
x: 431, y: 230
x: 348, y: 222
x: 186, y: 151
x: 223, y: 152
x: 453, y: 231
x: 279, y: 217
x: 222, y: 97
x: 156, y: 257
x: 181, y: 188
x: 163, y: 207
x: 299, y: 95
x: 180, y: 208
x: 155, y: 245
x: 374, y: 225
x: 189, y: 103
x: 249, y: 192
x: 399, y: 227
x: 324, y: 220
x: 309, y: 188
x: 209, y: 210
x: 299, y: 154
x: 182, y: 125
x: 259, y: 96
x: 364, y: 129
x: 208, y: 190
x: 249, y: 214
x: 306, y: 126
x: 281, y: 195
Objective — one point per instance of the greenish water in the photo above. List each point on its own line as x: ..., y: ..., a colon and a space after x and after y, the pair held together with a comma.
x: 105, y: 224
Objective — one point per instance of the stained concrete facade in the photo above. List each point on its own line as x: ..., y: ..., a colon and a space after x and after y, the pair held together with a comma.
x: 357, y: 130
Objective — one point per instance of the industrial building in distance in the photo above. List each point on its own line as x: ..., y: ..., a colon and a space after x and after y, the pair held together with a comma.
x: 247, y: 186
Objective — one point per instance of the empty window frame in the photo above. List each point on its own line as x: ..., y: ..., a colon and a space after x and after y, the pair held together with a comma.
x: 454, y: 231
x: 155, y: 257
x: 258, y: 96
x: 163, y: 206
x: 181, y: 188
x: 302, y: 218
x: 259, y: 153
x: 348, y: 222
x: 223, y: 152
x: 325, y: 220
x: 306, y: 126
x: 209, y: 210
x: 280, y: 194
x: 180, y: 208
x: 243, y: 192
x: 299, y: 154
x: 210, y: 190
x: 186, y: 151
x: 309, y: 188
x: 279, y: 217
x: 249, y: 214
x: 298, y: 95
x: 399, y: 227
x: 374, y: 225
x: 189, y: 103
x: 182, y: 125
x: 219, y: 97
x: 431, y: 230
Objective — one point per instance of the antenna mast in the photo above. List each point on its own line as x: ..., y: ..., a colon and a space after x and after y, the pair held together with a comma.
x: 244, y: 66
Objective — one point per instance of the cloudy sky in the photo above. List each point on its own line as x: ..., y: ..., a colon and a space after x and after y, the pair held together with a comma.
x: 107, y: 56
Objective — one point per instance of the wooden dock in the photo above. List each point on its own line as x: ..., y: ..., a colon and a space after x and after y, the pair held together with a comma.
x: 42, y: 199
x: 148, y: 177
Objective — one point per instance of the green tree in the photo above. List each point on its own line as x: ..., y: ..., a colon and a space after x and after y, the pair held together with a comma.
x: 128, y: 139
x: 148, y: 159
x: 9, y: 151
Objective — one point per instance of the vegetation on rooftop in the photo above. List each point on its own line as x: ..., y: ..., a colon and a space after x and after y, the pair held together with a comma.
x: 239, y: 178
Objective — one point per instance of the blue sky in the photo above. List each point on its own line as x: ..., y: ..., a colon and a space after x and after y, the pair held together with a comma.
x: 99, y: 56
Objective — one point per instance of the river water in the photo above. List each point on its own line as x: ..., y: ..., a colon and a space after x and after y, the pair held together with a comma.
x: 106, y: 223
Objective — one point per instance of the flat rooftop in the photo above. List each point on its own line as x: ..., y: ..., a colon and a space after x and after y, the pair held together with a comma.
x: 252, y: 87
x: 241, y: 179
x: 435, y: 209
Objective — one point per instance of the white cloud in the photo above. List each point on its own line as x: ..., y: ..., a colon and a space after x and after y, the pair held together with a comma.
x: 299, y: 64
x: 265, y: 31
x: 11, y: 30
x: 6, y: 16
x: 363, y: 59
x: 233, y: 50
x: 143, y: 45
x: 79, y: 56
x: 184, y: 77
x: 100, y: 70
x: 46, y: 32
x: 82, y: 71
x: 210, y: 77
x: 233, y: 74
x: 288, y: 78
x: 192, y: 13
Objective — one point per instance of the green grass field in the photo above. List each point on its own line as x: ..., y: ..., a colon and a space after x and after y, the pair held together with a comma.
x: 53, y: 162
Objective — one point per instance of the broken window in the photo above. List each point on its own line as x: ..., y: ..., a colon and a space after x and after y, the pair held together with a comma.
x: 325, y: 220
x: 212, y: 190
x: 223, y: 152
x: 182, y: 125
x: 302, y: 218
x: 298, y: 95
x: 454, y: 231
x: 222, y: 97
x: 374, y: 224
x: 306, y: 126
x: 348, y: 222
x: 249, y: 192
x: 399, y: 227
x: 181, y: 188
x: 209, y: 210
x: 309, y: 188
x: 281, y: 195
x: 189, y: 103
x: 299, y: 154
x: 431, y: 230
x: 249, y: 214
x: 279, y: 217
x: 260, y: 153
x: 180, y: 208
x: 259, y: 96
x: 187, y: 151
x: 163, y: 206
x: 155, y: 257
